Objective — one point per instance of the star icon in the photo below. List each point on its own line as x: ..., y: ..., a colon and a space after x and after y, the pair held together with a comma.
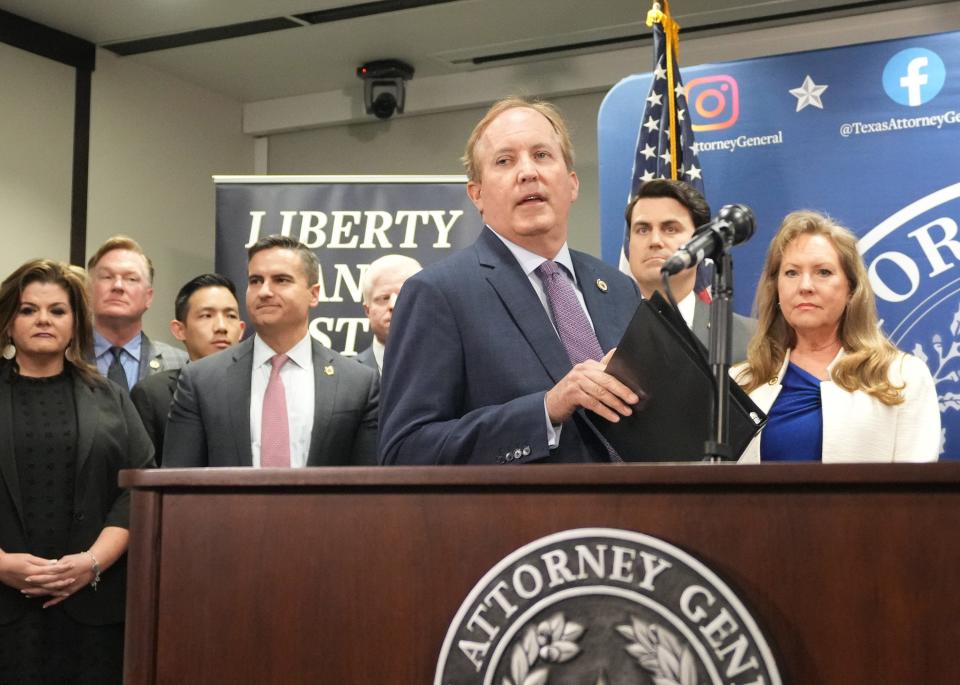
x: 655, y: 99
x: 808, y: 94
x: 647, y: 176
x: 652, y: 124
x: 649, y: 152
x: 666, y: 157
x: 693, y: 172
x: 659, y: 72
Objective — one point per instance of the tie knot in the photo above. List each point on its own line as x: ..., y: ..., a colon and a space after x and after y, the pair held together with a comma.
x: 115, y: 351
x: 548, y: 268
x: 278, y: 360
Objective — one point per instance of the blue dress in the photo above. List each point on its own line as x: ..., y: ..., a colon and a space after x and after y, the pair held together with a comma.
x: 794, y: 429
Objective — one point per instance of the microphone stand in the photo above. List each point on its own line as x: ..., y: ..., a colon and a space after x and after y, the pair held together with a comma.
x: 721, y: 316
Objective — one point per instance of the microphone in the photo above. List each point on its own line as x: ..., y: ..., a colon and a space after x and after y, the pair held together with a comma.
x: 734, y: 223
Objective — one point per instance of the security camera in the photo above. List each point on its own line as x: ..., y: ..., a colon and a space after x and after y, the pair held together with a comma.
x: 384, y: 86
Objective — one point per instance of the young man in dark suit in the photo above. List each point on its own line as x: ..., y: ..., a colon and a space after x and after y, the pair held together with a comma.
x: 280, y: 398
x: 496, y: 351
x: 662, y: 217
x: 207, y: 320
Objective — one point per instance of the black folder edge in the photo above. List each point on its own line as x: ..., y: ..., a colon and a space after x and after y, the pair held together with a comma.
x: 629, y: 362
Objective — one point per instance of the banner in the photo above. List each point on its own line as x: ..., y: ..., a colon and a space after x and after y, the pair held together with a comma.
x: 348, y: 221
x: 869, y: 134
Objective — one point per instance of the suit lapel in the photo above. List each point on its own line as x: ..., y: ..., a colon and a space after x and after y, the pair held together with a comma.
x: 87, y: 418
x: 522, y: 304
x: 325, y: 386
x: 8, y: 462
x: 599, y: 302
x: 146, y: 356
x: 701, y: 321
x: 236, y: 396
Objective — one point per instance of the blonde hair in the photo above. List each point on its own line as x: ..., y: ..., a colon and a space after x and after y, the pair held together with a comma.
x: 868, y: 353
x: 80, y: 349
x: 551, y: 113
x: 121, y: 242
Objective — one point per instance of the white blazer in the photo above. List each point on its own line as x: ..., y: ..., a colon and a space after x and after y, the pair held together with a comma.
x: 860, y: 428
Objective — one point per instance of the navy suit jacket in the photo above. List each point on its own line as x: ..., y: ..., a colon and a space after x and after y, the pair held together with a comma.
x: 472, y: 353
x: 209, y: 422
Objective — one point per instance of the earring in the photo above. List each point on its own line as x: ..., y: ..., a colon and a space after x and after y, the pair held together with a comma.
x: 10, y: 351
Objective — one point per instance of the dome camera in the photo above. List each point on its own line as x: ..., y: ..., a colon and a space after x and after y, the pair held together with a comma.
x: 384, y: 86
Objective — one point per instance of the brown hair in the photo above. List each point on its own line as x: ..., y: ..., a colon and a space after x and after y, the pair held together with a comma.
x: 681, y: 191
x: 868, y: 353
x: 311, y: 265
x: 550, y: 112
x: 80, y: 349
x: 121, y: 242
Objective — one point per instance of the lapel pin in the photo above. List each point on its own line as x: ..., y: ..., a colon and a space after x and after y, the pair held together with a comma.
x: 328, y: 369
x: 601, y: 285
x: 154, y: 364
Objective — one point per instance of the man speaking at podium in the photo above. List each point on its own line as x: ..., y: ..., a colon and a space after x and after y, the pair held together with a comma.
x: 495, y: 351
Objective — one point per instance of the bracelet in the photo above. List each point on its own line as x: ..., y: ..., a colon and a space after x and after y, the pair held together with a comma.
x: 96, y: 570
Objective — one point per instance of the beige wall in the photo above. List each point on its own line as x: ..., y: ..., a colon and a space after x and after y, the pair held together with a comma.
x: 155, y: 142
x: 36, y: 146
x: 433, y: 144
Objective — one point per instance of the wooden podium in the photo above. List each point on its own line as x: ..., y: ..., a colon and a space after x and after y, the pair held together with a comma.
x: 353, y: 575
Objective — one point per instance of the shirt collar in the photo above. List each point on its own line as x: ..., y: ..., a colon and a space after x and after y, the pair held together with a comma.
x: 300, y: 354
x: 687, y: 306
x: 530, y: 261
x: 101, y: 345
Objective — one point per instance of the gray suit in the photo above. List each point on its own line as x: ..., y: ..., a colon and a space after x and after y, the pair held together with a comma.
x: 159, y: 356
x: 209, y: 423
x: 367, y: 358
x: 742, y: 328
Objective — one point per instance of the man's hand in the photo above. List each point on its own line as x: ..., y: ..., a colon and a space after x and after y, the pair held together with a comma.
x: 589, y: 386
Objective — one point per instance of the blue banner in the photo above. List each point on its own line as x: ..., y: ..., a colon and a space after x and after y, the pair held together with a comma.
x: 869, y: 134
x: 348, y: 222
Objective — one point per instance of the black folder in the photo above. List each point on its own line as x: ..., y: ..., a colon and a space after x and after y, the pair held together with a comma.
x: 661, y: 360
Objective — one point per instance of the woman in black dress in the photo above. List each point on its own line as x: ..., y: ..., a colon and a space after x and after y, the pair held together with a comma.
x: 65, y: 432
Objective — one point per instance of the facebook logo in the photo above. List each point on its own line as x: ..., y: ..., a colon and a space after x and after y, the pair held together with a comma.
x: 914, y: 76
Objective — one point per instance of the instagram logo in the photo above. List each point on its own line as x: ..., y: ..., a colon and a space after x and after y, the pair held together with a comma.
x: 716, y: 99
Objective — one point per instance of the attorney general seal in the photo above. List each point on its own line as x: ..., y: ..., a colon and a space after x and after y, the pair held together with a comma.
x: 601, y: 606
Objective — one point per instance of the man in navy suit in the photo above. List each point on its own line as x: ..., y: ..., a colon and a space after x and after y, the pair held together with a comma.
x: 476, y: 371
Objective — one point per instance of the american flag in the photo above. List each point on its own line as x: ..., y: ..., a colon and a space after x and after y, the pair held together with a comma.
x: 665, y: 145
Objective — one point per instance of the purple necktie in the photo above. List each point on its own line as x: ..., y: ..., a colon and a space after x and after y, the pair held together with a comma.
x: 571, y: 321
x: 572, y: 324
x: 274, y: 426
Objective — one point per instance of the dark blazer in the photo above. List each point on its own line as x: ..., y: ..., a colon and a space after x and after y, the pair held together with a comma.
x: 742, y: 329
x: 159, y: 356
x: 110, y: 437
x: 367, y: 358
x: 209, y: 423
x: 152, y: 397
x: 472, y: 353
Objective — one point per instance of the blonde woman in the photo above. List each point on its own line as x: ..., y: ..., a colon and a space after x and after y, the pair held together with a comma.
x: 834, y: 387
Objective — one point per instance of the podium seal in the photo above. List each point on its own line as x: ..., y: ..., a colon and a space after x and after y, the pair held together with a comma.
x: 601, y: 606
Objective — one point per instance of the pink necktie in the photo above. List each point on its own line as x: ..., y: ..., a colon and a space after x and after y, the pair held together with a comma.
x: 274, y: 426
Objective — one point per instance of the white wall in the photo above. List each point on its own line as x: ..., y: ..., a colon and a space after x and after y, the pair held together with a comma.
x: 155, y: 142
x: 36, y: 146
x: 428, y: 140
x: 433, y: 144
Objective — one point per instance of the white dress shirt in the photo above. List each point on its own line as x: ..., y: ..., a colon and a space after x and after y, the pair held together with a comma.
x: 530, y: 262
x: 298, y: 388
x: 378, y: 350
